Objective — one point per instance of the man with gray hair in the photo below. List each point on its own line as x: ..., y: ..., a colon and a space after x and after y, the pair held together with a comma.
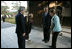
x: 20, y: 27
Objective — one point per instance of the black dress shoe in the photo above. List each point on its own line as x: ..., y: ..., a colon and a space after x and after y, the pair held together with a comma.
x: 52, y: 46
x: 45, y: 41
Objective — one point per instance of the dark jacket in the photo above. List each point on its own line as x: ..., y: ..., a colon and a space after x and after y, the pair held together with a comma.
x: 46, y: 20
x: 20, y: 23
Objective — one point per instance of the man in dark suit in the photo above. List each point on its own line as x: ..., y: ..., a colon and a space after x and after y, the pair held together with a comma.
x: 20, y: 27
x: 3, y: 17
x: 46, y: 24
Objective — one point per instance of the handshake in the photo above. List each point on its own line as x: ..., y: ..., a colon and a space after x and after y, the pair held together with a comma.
x: 23, y: 34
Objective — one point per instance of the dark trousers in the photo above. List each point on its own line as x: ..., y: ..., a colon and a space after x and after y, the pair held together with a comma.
x: 3, y: 19
x: 21, y: 41
x: 28, y: 30
x: 46, y: 32
x: 54, y: 39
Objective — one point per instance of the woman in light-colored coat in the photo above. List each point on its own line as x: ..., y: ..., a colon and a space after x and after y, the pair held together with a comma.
x: 56, y: 27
